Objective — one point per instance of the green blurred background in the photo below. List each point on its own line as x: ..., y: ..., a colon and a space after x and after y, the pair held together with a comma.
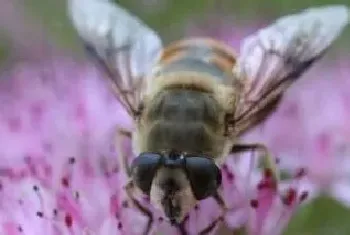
x: 169, y: 17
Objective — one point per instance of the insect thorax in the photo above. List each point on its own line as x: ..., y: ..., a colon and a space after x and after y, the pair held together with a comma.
x: 185, y: 112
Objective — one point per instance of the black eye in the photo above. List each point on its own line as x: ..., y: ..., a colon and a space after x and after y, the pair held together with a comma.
x: 204, y: 175
x: 143, y: 169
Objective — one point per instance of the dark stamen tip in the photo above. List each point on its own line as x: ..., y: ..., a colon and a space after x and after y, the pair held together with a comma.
x: 304, y: 195
x: 300, y: 173
x: 71, y: 160
x: 254, y: 203
x: 40, y: 214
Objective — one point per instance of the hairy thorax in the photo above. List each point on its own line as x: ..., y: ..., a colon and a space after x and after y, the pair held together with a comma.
x: 184, y: 120
x: 188, y: 100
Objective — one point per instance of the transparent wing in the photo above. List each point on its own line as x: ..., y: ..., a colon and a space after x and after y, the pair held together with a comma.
x: 125, y: 47
x: 274, y: 57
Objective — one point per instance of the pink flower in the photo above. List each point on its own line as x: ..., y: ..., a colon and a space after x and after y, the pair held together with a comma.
x: 59, y: 171
x: 315, y: 133
x: 55, y: 135
x: 308, y: 134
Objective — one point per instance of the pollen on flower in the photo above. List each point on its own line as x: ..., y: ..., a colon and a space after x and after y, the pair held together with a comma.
x: 35, y: 188
x: 71, y: 160
x: 268, y: 173
x: 68, y: 219
x: 254, y: 203
x: 303, y: 196
x: 229, y: 174
x: 301, y: 172
x: 65, y: 182
x: 290, y: 197
x: 267, y: 184
x: 40, y: 214
x: 76, y: 195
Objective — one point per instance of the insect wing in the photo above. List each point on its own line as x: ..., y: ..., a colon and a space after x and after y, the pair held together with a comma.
x: 125, y: 47
x: 276, y: 56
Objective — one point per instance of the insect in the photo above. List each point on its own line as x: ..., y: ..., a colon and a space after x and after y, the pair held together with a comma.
x: 192, y: 99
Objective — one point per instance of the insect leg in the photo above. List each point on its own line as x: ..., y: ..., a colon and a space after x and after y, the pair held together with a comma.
x: 220, y: 201
x: 211, y: 226
x: 129, y: 188
x: 267, y: 161
x: 181, y: 226
x: 123, y: 157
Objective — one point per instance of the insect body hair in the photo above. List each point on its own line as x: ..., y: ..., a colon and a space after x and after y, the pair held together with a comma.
x: 185, y: 117
x: 188, y: 99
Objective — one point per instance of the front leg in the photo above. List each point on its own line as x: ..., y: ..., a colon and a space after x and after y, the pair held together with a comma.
x: 220, y: 201
x: 181, y: 226
x: 130, y: 188
x: 267, y: 161
x: 122, y: 156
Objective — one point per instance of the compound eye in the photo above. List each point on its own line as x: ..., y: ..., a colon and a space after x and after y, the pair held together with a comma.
x: 143, y: 169
x: 204, y: 176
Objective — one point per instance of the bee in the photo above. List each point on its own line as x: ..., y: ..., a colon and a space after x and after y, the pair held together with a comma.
x: 193, y: 99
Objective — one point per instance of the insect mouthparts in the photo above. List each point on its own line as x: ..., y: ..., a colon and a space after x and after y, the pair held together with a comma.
x: 171, y: 208
x: 171, y: 211
x: 172, y: 221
